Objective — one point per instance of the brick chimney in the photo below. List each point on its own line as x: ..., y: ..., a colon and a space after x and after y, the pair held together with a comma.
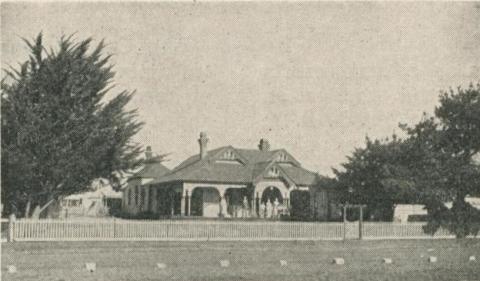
x: 264, y: 145
x: 203, y: 141
x: 148, y: 153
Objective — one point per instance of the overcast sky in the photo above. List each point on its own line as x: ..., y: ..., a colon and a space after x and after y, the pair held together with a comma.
x: 313, y: 78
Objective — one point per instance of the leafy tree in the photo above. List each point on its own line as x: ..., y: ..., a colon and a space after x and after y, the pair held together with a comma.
x: 59, y: 131
x: 434, y: 166
x: 442, y: 150
x: 378, y: 176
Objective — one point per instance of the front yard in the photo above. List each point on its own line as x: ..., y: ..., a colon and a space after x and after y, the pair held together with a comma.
x: 248, y: 260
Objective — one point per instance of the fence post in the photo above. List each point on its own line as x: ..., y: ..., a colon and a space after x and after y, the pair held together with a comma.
x: 360, y: 224
x: 11, y: 225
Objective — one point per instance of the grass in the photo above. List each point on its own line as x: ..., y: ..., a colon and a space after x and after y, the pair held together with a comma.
x: 248, y: 260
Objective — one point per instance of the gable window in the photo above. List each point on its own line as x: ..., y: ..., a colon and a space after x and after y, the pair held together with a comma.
x: 273, y: 172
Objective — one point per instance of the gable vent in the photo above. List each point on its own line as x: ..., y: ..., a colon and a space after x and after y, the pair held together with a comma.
x: 273, y: 172
x: 228, y: 155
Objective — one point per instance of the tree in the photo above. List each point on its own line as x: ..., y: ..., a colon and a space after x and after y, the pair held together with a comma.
x: 442, y: 149
x: 433, y: 166
x: 378, y: 176
x: 59, y: 132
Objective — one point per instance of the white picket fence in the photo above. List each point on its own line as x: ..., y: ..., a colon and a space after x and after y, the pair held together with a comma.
x: 48, y: 230
x: 165, y: 230
x: 378, y: 231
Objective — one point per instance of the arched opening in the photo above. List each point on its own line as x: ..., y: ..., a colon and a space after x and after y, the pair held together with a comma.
x: 271, y: 203
x: 205, y: 202
x: 271, y: 193
x: 300, y: 205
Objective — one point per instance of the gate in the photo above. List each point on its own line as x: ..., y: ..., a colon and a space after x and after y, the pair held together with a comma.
x: 352, y: 230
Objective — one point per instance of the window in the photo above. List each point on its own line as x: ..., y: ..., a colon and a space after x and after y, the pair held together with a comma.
x: 129, y: 196
x: 136, y: 195
x: 159, y: 198
x: 142, y: 196
x: 151, y: 196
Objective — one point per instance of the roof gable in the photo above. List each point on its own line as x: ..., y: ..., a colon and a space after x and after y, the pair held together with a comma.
x: 283, y: 156
x: 273, y: 171
x: 229, y: 153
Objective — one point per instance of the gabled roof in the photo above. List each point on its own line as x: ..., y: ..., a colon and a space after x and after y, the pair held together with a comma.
x: 153, y: 169
x: 299, y: 175
x: 281, y: 174
x: 195, y: 158
x: 252, y: 164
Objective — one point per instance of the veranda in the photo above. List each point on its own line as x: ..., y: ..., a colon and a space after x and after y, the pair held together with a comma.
x: 268, y: 200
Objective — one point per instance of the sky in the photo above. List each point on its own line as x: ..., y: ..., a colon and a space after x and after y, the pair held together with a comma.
x: 314, y: 78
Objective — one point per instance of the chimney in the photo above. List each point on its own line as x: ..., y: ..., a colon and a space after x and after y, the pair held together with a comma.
x: 148, y: 153
x: 203, y: 141
x: 264, y: 145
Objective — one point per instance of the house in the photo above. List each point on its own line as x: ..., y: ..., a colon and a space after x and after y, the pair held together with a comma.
x: 152, y: 170
x: 228, y: 182
x: 100, y: 202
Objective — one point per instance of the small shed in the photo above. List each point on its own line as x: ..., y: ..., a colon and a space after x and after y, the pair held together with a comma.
x: 403, y: 211
x: 100, y: 202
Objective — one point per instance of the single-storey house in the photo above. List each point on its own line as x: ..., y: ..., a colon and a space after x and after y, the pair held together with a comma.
x: 228, y: 182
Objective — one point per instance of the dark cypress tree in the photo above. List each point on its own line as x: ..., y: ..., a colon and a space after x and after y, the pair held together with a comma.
x: 59, y: 131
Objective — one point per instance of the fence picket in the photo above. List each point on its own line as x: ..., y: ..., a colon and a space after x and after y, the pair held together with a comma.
x: 41, y: 230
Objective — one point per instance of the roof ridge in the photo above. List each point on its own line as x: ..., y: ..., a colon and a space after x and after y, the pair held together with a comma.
x: 256, y: 149
x: 179, y: 167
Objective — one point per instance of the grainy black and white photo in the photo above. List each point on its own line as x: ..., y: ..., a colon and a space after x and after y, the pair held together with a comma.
x: 240, y: 140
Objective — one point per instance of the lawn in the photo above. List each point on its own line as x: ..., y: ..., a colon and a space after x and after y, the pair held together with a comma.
x: 248, y: 260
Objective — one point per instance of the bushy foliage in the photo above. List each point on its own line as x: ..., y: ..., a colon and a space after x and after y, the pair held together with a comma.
x: 59, y: 131
x: 378, y: 176
x: 434, y: 165
x: 444, y: 147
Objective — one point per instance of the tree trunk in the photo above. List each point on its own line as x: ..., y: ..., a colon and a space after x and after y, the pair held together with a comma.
x: 36, y: 213
x: 459, y: 211
x: 53, y: 210
x: 38, y: 210
x: 27, y: 208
